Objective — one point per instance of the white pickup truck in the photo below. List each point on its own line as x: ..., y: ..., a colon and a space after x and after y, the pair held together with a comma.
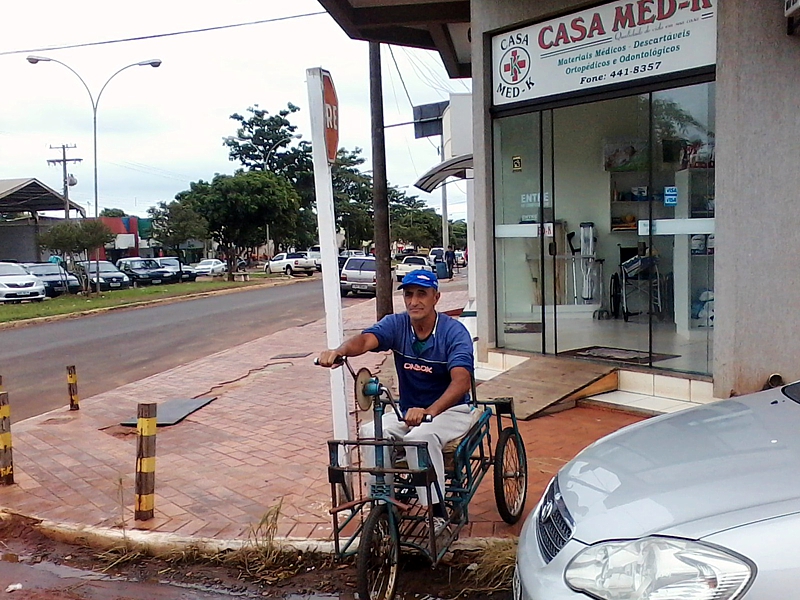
x: 290, y: 263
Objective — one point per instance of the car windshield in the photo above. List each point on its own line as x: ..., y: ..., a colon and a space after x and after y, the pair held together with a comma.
x: 360, y: 264
x: 437, y: 252
x: 792, y: 392
x: 172, y: 262
x: 414, y: 260
x: 143, y: 264
x: 9, y: 269
x: 46, y: 269
x: 296, y: 255
x: 105, y: 267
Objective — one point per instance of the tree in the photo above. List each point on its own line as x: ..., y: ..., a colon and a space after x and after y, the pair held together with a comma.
x: 238, y: 208
x: 176, y: 223
x: 112, y: 212
x: 69, y: 238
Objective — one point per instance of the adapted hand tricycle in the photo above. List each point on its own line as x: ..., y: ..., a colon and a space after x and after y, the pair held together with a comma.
x: 391, y: 516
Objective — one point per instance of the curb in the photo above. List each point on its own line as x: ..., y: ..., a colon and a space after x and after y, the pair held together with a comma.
x: 158, y: 543
x: 144, y: 303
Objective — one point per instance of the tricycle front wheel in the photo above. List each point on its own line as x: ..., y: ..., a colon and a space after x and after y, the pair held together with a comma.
x: 378, y: 561
x: 510, y: 475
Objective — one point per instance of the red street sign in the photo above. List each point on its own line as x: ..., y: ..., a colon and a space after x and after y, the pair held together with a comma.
x: 331, y: 116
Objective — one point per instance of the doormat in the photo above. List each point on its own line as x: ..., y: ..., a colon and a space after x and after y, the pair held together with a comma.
x: 636, y: 357
x: 174, y: 411
x: 523, y: 328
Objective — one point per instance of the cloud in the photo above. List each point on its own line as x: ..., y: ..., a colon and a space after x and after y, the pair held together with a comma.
x: 156, y: 127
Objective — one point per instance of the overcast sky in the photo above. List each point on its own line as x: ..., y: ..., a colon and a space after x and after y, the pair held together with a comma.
x: 159, y: 129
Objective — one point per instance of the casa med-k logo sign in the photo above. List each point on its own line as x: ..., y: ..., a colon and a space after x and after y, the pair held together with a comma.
x: 514, y: 69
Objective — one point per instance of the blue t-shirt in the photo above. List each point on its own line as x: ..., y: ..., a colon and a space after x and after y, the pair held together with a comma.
x: 423, y: 368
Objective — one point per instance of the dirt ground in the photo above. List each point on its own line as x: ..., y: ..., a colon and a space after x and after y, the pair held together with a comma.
x: 107, y: 575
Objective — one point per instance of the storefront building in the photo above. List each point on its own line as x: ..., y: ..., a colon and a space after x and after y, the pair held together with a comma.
x: 634, y: 182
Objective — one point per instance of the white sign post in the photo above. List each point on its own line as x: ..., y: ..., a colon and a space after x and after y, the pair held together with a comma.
x: 324, y: 110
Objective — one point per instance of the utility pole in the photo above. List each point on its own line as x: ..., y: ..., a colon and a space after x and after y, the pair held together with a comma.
x: 380, y: 196
x: 66, y: 178
x: 445, y: 222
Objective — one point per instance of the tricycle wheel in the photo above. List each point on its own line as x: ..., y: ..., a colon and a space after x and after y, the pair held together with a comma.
x: 378, y: 557
x: 510, y: 475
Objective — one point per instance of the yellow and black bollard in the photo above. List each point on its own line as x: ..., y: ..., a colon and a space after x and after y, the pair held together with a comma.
x: 72, y: 386
x: 145, y: 462
x: 6, y: 460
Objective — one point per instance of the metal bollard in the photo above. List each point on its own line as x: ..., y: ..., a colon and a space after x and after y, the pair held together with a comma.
x: 72, y: 387
x: 6, y: 460
x: 145, y: 462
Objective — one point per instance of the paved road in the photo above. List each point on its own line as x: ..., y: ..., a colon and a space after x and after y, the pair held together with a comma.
x: 118, y: 347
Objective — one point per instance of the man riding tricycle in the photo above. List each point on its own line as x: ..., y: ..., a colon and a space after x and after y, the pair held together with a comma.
x: 423, y: 455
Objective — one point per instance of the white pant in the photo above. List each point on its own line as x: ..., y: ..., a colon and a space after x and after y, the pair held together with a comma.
x: 452, y: 423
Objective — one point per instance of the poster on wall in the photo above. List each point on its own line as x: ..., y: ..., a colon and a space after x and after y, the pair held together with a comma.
x: 625, y: 155
x: 615, y: 43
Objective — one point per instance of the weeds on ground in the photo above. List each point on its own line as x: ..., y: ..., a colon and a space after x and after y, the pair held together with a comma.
x: 492, y: 569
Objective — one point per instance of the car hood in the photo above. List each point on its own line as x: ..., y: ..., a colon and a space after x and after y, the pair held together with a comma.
x: 691, y: 473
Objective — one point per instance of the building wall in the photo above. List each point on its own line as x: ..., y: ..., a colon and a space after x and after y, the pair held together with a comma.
x: 758, y: 221
x: 488, y: 16
x: 18, y: 242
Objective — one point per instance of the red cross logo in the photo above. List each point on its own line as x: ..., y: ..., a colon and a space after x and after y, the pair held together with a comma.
x: 515, y: 65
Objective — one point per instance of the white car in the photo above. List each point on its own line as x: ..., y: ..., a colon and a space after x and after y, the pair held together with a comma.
x: 352, y: 253
x: 290, y: 263
x: 411, y: 263
x: 436, y: 255
x: 210, y: 267
x: 315, y: 254
x: 16, y: 284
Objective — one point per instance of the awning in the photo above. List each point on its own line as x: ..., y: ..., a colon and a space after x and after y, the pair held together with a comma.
x: 31, y: 195
x: 455, y: 167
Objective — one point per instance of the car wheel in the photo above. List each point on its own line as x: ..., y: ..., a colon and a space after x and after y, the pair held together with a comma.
x: 289, y: 271
x: 38, y: 299
x: 344, y: 293
x: 266, y: 269
x: 310, y: 273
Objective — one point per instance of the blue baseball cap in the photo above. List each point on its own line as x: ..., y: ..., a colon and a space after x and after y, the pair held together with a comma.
x: 420, y: 277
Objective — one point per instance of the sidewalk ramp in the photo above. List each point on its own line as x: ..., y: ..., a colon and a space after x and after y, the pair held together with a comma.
x: 547, y: 384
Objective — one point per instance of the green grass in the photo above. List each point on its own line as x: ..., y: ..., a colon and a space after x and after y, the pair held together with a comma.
x: 68, y: 304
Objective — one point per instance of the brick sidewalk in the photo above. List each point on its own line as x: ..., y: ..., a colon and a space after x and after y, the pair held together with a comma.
x: 262, y: 441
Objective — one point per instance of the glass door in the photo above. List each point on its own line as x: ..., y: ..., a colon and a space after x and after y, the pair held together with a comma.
x: 523, y: 233
x: 602, y: 174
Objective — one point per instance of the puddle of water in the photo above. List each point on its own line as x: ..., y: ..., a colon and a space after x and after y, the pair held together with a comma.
x: 65, y: 572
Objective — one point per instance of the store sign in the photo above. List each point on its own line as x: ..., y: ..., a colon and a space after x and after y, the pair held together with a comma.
x: 611, y: 44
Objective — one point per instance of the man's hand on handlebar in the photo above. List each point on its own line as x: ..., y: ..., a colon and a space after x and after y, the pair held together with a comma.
x: 415, y: 416
x: 331, y: 359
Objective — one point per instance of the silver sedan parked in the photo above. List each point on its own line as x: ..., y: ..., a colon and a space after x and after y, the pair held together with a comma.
x: 702, y: 504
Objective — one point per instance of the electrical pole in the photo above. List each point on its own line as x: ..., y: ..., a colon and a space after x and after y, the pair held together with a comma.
x: 380, y: 196
x: 66, y: 178
x: 445, y: 222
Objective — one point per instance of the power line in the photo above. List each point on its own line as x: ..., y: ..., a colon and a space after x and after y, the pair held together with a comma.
x: 394, y: 60
x: 159, y: 35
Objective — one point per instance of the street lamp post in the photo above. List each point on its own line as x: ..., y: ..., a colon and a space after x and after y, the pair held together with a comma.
x: 153, y: 62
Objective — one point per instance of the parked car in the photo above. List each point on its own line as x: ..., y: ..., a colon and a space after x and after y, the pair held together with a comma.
x: 461, y: 258
x: 16, y: 284
x: 358, y: 275
x: 171, y: 263
x: 700, y: 503
x: 315, y: 254
x: 210, y: 267
x: 411, y: 263
x: 352, y: 253
x: 55, y: 278
x: 290, y: 263
x: 110, y: 277
x: 146, y: 271
x: 436, y: 255
x: 342, y: 260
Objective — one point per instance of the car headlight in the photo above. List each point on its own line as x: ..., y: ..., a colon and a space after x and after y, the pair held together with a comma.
x: 658, y: 568
x: 125, y: 278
